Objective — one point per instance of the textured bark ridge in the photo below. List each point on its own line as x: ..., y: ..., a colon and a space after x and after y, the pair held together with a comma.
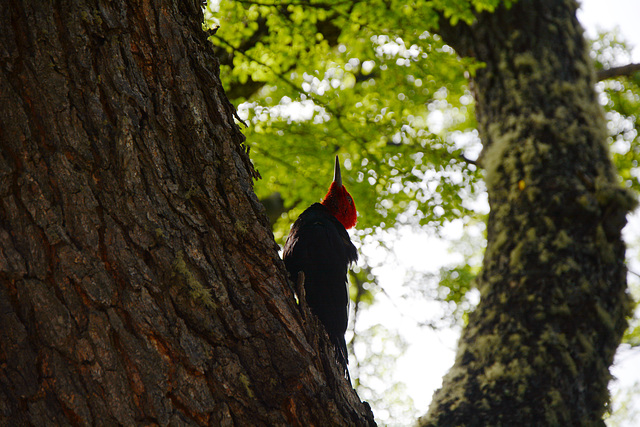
x: 553, y: 285
x: 139, y: 281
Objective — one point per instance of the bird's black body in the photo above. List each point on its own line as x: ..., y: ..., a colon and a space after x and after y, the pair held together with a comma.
x: 320, y: 246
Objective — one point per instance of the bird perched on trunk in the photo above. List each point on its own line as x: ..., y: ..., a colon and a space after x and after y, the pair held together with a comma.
x: 319, y: 246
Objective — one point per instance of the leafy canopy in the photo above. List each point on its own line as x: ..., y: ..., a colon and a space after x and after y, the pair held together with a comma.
x: 366, y: 80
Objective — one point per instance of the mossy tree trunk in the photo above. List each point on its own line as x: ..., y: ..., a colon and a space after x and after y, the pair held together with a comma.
x: 553, y: 288
x: 139, y: 281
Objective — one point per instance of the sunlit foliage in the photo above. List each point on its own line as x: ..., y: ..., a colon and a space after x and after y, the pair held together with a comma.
x: 621, y: 100
x: 365, y: 80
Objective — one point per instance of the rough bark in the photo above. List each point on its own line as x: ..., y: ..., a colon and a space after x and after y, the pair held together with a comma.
x: 139, y: 281
x: 553, y: 289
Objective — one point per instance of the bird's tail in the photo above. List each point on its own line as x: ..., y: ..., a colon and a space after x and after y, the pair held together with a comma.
x: 342, y: 355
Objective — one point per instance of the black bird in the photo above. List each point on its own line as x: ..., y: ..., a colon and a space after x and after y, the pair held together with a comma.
x: 319, y: 245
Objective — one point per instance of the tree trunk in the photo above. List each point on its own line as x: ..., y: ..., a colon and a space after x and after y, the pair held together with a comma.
x: 553, y: 289
x: 139, y: 281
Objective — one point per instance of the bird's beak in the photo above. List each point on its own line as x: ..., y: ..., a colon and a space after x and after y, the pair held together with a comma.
x: 337, y: 176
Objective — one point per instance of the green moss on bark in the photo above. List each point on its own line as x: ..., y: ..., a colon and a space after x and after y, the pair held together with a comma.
x: 196, y: 289
x: 553, y: 292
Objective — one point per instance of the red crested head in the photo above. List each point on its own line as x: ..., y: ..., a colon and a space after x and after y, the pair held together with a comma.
x: 339, y: 201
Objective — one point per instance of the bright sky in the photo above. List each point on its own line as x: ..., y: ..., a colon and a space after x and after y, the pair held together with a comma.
x: 431, y: 353
x: 609, y: 14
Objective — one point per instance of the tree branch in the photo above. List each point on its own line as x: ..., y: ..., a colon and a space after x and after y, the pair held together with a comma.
x: 611, y: 73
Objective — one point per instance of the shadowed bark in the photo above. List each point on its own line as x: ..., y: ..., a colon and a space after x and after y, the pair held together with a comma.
x: 139, y: 281
x: 553, y: 286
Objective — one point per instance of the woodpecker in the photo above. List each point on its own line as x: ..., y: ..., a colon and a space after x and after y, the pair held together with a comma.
x: 319, y: 246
